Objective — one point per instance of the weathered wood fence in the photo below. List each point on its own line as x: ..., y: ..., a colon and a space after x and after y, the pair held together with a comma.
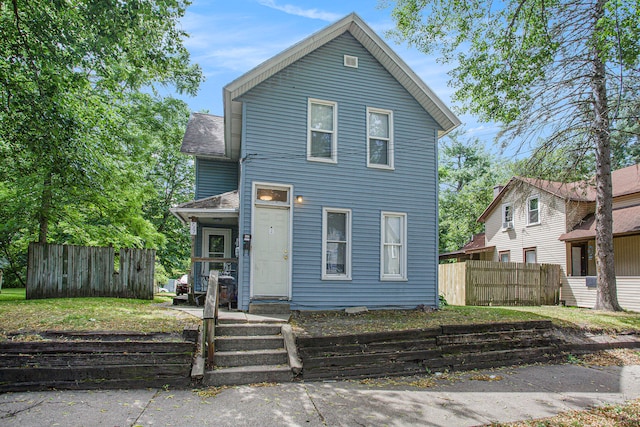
x: 64, y: 271
x: 499, y: 283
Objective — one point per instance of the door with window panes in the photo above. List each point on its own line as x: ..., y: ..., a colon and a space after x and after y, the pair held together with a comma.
x: 216, y: 244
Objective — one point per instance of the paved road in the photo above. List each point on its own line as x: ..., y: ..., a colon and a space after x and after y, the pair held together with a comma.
x: 469, y: 399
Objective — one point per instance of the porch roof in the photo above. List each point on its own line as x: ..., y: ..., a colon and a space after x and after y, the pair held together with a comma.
x: 219, y: 206
x: 626, y: 221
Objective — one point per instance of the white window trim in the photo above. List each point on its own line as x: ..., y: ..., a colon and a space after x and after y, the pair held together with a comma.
x: 347, y: 273
x: 334, y: 133
x: 390, y: 147
x: 404, y: 249
x: 528, y: 211
x: 504, y: 216
x: 208, y: 231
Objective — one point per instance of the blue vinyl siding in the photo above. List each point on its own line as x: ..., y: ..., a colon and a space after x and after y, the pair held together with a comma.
x: 215, y: 177
x: 275, y: 129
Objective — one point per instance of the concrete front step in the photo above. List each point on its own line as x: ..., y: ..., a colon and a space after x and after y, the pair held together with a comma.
x: 248, y: 329
x: 265, y: 342
x: 247, y: 375
x: 269, y: 308
x: 251, y: 357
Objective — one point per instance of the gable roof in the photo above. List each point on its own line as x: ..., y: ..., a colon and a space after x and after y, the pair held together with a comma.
x: 624, y: 181
x: 204, y: 136
x: 369, y: 39
x: 626, y: 221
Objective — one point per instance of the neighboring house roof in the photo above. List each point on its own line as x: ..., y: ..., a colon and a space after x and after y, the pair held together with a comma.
x: 624, y: 181
x: 225, y: 204
x: 625, y: 221
x: 369, y: 39
x: 204, y: 136
x: 476, y: 244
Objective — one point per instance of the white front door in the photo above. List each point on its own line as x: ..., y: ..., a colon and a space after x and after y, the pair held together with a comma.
x: 271, y: 256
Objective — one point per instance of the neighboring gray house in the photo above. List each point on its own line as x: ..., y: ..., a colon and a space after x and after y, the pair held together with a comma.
x: 321, y: 179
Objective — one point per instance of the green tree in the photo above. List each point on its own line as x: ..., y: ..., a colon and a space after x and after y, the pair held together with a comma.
x: 548, y: 69
x: 72, y: 171
x: 161, y: 123
x: 467, y: 175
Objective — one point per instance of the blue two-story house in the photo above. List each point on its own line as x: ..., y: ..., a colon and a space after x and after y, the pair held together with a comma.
x: 321, y: 178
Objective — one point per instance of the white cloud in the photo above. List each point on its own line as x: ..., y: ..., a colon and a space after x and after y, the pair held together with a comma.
x: 298, y: 11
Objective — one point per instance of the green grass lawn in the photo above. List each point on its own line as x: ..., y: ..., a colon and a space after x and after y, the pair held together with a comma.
x: 92, y: 314
x: 337, y: 323
x: 88, y: 314
x: 12, y: 294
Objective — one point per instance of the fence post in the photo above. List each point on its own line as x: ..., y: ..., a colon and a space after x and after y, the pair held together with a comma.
x: 210, y: 317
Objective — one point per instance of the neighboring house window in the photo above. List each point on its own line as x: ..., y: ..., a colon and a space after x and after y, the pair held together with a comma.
x: 530, y: 256
x: 322, y: 134
x: 507, y: 216
x: 336, y: 244
x: 533, y: 210
x: 393, y: 258
x: 379, y: 138
x: 505, y: 256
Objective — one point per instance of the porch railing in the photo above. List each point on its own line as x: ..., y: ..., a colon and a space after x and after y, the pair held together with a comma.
x: 210, y: 318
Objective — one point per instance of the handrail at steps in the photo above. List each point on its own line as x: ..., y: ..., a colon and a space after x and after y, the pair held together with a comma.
x: 210, y: 318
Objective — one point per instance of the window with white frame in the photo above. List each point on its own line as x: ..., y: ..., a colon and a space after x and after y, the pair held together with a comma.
x: 379, y: 138
x: 322, y: 131
x: 507, y: 216
x: 336, y: 244
x: 393, y: 258
x: 533, y: 210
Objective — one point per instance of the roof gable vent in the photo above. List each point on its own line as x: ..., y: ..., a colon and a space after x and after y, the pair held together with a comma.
x: 351, y: 61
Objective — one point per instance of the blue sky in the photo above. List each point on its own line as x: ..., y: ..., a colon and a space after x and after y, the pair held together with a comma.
x: 230, y: 37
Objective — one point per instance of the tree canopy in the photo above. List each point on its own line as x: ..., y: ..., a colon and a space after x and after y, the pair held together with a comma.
x: 75, y: 169
x: 564, y: 71
x: 468, y: 173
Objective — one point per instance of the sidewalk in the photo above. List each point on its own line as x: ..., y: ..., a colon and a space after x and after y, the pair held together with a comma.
x: 473, y: 398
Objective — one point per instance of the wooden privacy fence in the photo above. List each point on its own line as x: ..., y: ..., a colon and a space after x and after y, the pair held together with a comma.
x: 499, y: 283
x: 63, y: 271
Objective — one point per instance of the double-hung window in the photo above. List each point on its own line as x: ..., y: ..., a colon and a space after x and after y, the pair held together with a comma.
x: 336, y: 244
x: 322, y: 145
x: 533, y: 210
x: 379, y: 138
x: 393, y: 251
x: 507, y: 216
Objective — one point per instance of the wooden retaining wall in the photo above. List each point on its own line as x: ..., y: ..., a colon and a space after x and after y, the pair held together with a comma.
x: 65, y: 271
x: 97, y: 360
x: 453, y: 347
x: 483, y: 283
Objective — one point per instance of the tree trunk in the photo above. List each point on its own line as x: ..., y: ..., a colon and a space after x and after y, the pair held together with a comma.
x: 45, y: 208
x: 607, y: 294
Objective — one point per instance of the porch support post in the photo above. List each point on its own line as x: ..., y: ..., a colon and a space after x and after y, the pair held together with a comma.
x: 193, y: 230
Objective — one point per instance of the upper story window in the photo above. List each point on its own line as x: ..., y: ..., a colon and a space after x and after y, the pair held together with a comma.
x: 507, y: 216
x: 393, y: 262
x: 533, y: 210
x: 322, y: 145
x: 379, y: 138
x: 336, y: 244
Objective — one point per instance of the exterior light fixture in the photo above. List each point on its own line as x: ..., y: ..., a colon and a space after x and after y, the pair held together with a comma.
x: 299, y: 198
